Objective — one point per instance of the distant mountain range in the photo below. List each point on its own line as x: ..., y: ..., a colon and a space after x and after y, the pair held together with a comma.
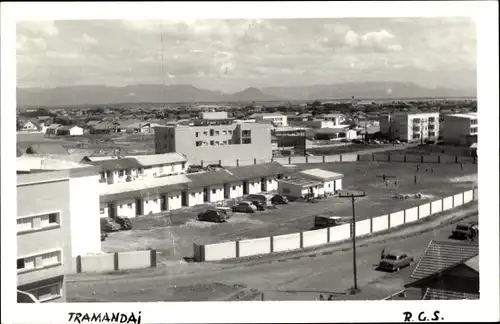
x: 177, y: 93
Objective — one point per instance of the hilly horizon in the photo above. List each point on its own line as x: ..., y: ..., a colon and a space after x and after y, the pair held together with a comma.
x: 186, y: 93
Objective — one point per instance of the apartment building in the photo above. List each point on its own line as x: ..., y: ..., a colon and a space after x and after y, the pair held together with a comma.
x: 460, y: 129
x: 277, y: 119
x: 335, y: 119
x: 410, y: 127
x: 213, y: 115
x: 209, y: 141
x: 57, y: 220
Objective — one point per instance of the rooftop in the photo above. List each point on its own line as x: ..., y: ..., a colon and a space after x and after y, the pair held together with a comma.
x: 440, y: 255
x: 117, y: 164
x: 300, y: 180
x: 266, y: 115
x: 322, y: 175
x: 27, y: 163
x: 158, y: 159
x: 255, y: 171
x: 470, y: 115
x: 209, y: 178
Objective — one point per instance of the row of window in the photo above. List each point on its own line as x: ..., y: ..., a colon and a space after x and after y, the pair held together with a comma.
x: 473, y: 130
x: 38, y: 222
x: 214, y: 132
x: 213, y: 143
x: 46, y: 293
x: 429, y: 134
x: 473, y: 121
x: 40, y: 261
x: 122, y: 172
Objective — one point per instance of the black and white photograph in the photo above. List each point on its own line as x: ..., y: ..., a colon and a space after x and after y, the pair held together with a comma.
x: 257, y: 158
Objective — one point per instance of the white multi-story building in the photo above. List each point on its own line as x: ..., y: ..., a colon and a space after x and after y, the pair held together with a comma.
x: 57, y: 220
x: 460, y: 129
x: 410, y: 127
x: 277, y: 119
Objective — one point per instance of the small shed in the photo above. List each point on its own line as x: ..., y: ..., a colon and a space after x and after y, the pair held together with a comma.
x: 71, y: 130
x: 315, y: 182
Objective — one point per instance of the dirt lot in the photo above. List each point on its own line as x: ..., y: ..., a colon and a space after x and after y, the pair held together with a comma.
x: 173, y: 234
x: 127, y: 143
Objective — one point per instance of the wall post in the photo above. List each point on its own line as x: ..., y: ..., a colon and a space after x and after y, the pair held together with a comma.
x: 307, y: 159
x: 404, y: 158
x: 388, y: 158
x: 404, y: 216
x: 301, y: 240
x: 79, y: 264
x: 237, y: 162
x: 456, y: 159
x: 153, y: 258
x: 340, y: 157
x: 421, y: 159
x: 323, y: 159
x: 116, y: 261
x: 237, y: 249
x: 271, y: 242
x: 439, y: 159
x: 289, y: 160
x: 418, y: 211
x: 254, y: 161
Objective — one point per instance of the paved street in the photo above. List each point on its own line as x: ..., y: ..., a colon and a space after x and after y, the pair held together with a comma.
x: 299, y: 278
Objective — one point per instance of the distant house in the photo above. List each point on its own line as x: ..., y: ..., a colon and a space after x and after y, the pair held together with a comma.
x: 72, y: 130
x: 52, y: 129
x: 139, y: 127
x: 102, y: 128
x: 92, y: 123
x: 30, y: 126
x: 43, y: 149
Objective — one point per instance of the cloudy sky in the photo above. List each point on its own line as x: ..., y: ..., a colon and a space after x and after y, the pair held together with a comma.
x: 230, y: 55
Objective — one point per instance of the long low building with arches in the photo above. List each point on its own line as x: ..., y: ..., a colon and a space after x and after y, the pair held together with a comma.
x: 155, y: 195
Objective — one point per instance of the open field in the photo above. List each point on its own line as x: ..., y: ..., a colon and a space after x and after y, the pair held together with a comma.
x: 330, y: 150
x: 174, y: 233
x: 126, y: 143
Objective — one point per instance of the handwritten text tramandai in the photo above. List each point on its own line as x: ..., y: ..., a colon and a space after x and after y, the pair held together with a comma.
x: 105, y: 317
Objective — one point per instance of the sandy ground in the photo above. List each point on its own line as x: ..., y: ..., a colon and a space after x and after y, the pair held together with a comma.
x: 173, y: 234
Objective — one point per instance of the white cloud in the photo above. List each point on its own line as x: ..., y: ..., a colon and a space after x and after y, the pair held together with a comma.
x: 396, y: 48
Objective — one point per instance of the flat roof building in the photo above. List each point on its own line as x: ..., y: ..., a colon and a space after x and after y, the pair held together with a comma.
x: 211, y: 141
x: 57, y: 220
x: 410, y: 127
x: 460, y: 129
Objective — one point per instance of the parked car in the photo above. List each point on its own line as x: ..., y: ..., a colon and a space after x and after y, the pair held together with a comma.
x: 104, y: 236
x: 465, y: 231
x: 329, y: 221
x: 213, y: 215
x: 259, y: 204
x: 194, y: 168
x: 395, y: 260
x: 245, y: 207
x: 109, y: 225
x: 225, y: 210
x: 124, y: 222
x: 279, y: 200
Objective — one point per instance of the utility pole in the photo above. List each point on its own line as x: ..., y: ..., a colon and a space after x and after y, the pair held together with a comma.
x: 352, y: 196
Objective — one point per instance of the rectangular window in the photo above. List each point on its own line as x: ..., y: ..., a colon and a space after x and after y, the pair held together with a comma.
x: 155, y: 201
x: 217, y: 143
x: 183, y: 165
x: 38, y: 222
x: 224, y: 132
x: 247, y: 141
x: 197, y: 134
x: 120, y: 173
x: 199, y: 143
x: 128, y: 172
x: 432, y: 134
x: 129, y: 205
x: 212, y: 143
x: 212, y: 132
x: 234, y: 187
x: 230, y: 132
x: 47, y: 293
x: 205, y: 133
x: 246, y: 133
x: 432, y: 119
x: 39, y: 261
x: 121, y: 206
x: 473, y: 121
x: 193, y: 195
x: 217, y: 132
x: 214, y: 191
x: 101, y: 211
x: 473, y: 130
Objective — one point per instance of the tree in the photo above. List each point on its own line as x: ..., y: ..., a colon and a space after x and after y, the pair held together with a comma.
x: 316, y: 104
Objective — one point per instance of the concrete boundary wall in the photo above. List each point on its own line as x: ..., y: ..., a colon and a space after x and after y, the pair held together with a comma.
x: 297, y: 241
x: 254, y: 247
x: 424, y: 210
x: 447, y: 203
x: 220, y: 251
x: 397, y: 158
x: 115, y: 261
x: 396, y: 219
x: 468, y: 196
x: 437, y: 206
x: 458, y: 200
x: 286, y: 242
x: 411, y: 215
x: 380, y: 223
x: 339, y: 233
x: 432, y: 158
x: 363, y: 227
x: 315, y: 237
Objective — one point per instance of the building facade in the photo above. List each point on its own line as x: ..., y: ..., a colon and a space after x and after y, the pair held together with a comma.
x: 276, y: 119
x: 410, y: 127
x: 57, y: 220
x: 460, y: 129
x: 208, y: 141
